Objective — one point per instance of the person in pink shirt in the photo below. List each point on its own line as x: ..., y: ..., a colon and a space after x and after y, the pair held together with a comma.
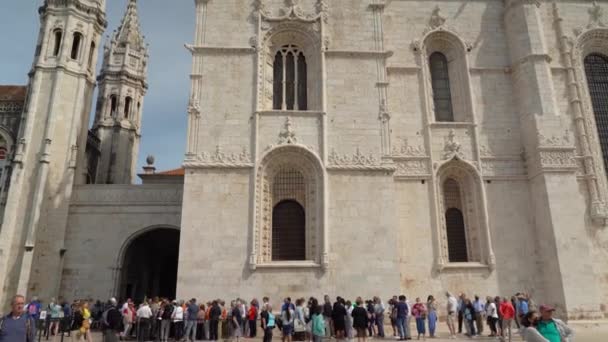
x: 507, y: 312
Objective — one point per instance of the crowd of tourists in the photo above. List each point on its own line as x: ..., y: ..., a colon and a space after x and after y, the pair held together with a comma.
x: 161, y: 319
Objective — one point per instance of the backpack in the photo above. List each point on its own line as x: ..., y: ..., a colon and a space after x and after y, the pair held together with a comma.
x: 77, y: 321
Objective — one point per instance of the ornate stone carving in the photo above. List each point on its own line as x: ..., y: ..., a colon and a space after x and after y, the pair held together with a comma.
x: 412, y: 168
x: 287, y: 135
x: 596, y: 14
x: 221, y: 159
x: 194, y: 107
x: 406, y: 150
x: 436, y: 18
x: 452, y: 146
x: 293, y: 11
x: 555, y: 141
x: 357, y: 161
x: 557, y: 159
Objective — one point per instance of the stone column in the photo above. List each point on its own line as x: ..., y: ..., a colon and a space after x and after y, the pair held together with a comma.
x: 563, y: 255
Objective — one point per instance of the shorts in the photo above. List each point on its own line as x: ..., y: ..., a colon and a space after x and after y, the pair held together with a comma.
x: 451, y: 317
x: 287, y: 329
x: 361, y: 332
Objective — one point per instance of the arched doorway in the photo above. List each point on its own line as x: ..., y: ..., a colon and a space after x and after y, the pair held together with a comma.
x: 149, y: 265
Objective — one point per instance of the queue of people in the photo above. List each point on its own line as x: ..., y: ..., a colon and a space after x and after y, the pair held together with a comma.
x: 161, y: 319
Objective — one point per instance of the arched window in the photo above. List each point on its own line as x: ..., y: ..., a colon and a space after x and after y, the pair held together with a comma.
x: 288, y: 231
x: 442, y: 96
x: 57, y: 36
x: 91, y: 55
x: 454, y: 222
x: 290, y: 90
x: 596, y: 69
x: 128, y: 102
x: 76, y: 45
x: 113, y: 105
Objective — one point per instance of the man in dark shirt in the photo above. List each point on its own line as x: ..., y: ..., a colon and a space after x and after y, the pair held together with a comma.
x: 402, y: 311
x: 360, y: 320
x: 191, y: 320
x: 111, y: 319
x: 17, y: 326
x: 327, y: 310
x: 214, y: 318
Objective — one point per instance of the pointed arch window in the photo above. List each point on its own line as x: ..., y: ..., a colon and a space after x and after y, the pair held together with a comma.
x: 440, y: 79
x: 596, y: 69
x: 290, y: 88
x: 128, y: 102
x: 454, y: 222
x: 91, y: 55
x: 113, y: 105
x: 76, y: 41
x: 57, y: 37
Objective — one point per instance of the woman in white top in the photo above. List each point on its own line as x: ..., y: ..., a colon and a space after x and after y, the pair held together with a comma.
x: 287, y: 318
x: 492, y: 315
x: 178, y: 320
x: 349, y: 320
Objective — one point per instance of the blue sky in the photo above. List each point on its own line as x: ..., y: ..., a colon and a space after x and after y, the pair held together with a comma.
x: 167, y: 25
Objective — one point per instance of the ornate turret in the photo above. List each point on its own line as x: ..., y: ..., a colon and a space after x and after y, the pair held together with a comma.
x: 122, y: 87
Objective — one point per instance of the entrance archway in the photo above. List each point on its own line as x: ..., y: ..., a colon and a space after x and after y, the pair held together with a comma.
x: 149, y: 265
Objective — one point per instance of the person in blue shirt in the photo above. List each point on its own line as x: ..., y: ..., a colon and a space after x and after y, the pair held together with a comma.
x: 402, y: 310
x: 17, y: 326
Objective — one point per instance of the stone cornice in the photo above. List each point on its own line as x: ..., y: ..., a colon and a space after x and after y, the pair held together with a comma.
x: 359, y: 53
x: 99, y: 14
x: 197, y: 49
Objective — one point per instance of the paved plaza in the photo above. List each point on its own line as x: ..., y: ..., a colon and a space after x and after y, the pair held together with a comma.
x: 585, y: 331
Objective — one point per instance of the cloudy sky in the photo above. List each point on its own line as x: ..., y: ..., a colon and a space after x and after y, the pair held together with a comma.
x: 168, y: 25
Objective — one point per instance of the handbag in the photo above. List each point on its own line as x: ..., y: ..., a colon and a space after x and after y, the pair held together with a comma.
x: 299, y: 326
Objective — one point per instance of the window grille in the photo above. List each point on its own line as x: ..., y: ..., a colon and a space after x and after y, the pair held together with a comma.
x: 288, y: 216
x: 440, y: 79
x: 596, y: 69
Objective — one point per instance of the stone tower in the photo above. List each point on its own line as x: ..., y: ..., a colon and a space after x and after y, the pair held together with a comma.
x: 50, y: 152
x: 122, y: 86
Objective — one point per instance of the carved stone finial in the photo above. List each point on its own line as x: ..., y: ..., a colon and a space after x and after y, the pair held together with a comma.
x: 596, y: 14
x: 287, y: 135
x: 150, y: 160
x: 452, y: 147
x: 436, y: 18
x: 149, y: 168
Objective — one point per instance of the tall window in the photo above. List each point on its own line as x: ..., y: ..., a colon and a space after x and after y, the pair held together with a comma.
x: 290, y: 79
x: 91, y: 55
x: 596, y: 68
x: 442, y: 96
x: 58, y: 35
x: 76, y: 45
x: 454, y: 222
x: 128, y: 102
x: 113, y: 105
x: 288, y: 216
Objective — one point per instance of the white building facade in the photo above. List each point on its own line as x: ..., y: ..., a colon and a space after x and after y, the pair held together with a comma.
x: 353, y: 148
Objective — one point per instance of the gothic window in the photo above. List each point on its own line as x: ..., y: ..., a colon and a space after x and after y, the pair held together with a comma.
x: 91, y: 55
x: 454, y: 221
x: 77, y: 40
x: 290, y: 79
x: 113, y: 105
x: 57, y: 36
x: 596, y: 69
x: 288, y: 231
x: 128, y: 102
x: 440, y: 79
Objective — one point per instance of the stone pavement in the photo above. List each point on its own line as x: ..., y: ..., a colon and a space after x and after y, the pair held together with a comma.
x: 585, y: 331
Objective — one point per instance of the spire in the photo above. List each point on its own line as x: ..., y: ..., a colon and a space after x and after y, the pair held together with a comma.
x: 128, y: 33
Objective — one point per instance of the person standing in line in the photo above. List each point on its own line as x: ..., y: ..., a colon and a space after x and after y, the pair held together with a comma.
x: 144, y: 315
x: 178, y: 320
x: 267, y: 321
x: 200, y: 322
x: 393, y: 314
x: 469, y: 318
x: 480, y: 310
x: 360, y: 320
x: 420, y: 312
x: 492, y: 316
x: 237, y: 320
x: 214, y: 318
x: 85, y: 329
x: 299, y: 323
x: 371, y: 313
x: 508, y: 313
x: 127, y: 318
x: 166, y: 312
x: 402, y: 310
x: 155, y: 321
x: 327, y: 309
x: 17, y: 326
x: 499, y: 325
x: 452, y: 308
x: 553, y: 329
x: 338, y: 317
x: 461, y: 307
x: 318, y: 324
x: 522, y: 306
x: 287, y: 319
x: 191, y: 320
x: 111, y: 319
x: 408, y: 320
x: 252, y: 317
x: 379, y: 312
x: 348, y: 322
x: 431, y: 308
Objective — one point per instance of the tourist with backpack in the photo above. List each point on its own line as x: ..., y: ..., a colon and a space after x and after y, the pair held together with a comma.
x: 111, y: 320
x: 17, y: 326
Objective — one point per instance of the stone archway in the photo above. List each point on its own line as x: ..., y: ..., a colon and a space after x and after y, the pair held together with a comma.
x: 148, y: 264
